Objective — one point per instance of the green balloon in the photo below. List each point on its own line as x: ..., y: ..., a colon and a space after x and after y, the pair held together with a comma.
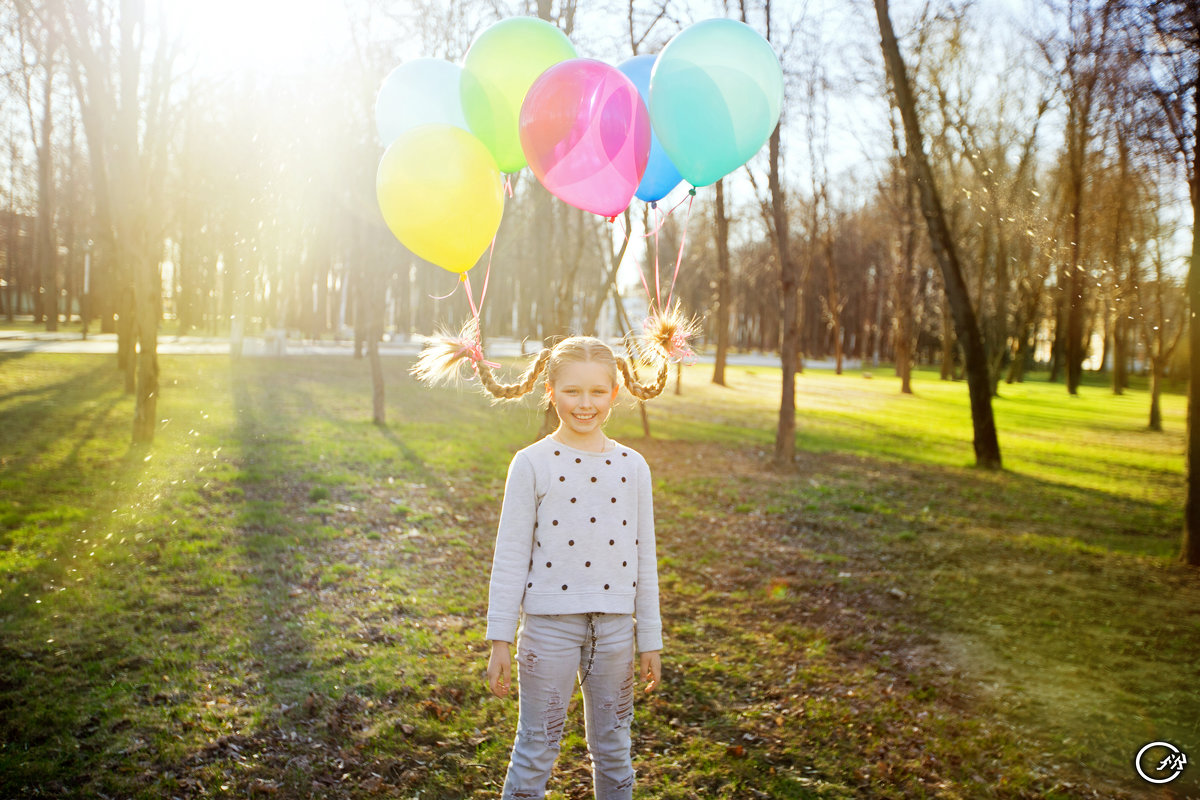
x: 715, y: 96
x: 499, y: 69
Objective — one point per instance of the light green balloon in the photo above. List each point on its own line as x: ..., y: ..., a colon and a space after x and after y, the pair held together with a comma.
x: 715, y: 96
x: 499, y: 69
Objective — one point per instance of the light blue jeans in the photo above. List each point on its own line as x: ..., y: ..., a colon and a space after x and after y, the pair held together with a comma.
x: 552, y: 650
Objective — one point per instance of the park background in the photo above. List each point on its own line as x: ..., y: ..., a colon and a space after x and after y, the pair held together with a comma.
x: 264, y: 575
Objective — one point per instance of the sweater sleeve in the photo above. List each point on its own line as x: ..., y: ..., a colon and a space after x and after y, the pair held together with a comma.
x: 514, y: 544
x: 649, y: 623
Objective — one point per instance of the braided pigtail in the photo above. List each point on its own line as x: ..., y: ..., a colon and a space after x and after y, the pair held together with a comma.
x: 442, y: 358
x: 511, y: 391
x: 670, y: 333
x: 638, y: 390
x: 444, y: 354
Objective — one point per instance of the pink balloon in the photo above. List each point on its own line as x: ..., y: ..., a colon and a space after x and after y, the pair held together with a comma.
x: 586, y: 134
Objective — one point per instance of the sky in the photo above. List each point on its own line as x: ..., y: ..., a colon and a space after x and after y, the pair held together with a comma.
x: 838, y: 37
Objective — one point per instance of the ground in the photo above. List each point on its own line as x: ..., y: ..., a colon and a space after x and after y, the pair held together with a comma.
x: 279, y: 598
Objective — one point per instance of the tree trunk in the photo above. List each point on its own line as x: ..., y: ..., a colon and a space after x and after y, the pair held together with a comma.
x: 1057, y: 344
x: 1156, y: 369
x: 126, y: 337
x: 1190, y: 546
x: 45, y: 248
x: 905, y: 301
x: 987, y: 445
x: 147, y: 312
x: 723, y: 288
x: 377, y: 387
x: 835, y: 299
x: 785, y: 434
x: 999, y: 344
x: 947, y: 343
x: 1120, y: 377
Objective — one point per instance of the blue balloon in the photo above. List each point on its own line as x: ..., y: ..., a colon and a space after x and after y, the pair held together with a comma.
x: 661, y: 176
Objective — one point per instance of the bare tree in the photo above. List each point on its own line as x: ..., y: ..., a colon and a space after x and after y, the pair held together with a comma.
x: 39, y: 64
x: 1085, y: 47
x: 987, y: 446
x: 1168, y: 40
x: 1163, y: 315
x: 723, y: 293
x: 121, y: 66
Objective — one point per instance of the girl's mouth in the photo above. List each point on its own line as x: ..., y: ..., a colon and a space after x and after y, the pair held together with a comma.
x: 585, y: 417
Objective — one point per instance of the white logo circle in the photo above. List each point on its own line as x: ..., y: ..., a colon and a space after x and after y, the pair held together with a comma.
x: 1178, y: 760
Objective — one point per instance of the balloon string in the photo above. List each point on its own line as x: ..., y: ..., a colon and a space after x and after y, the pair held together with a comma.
x: 450, y: 293
x: 640, y: 272
x: 663, y: 217
x: 507, y: 189
x: 662, y: 220
x: 682, y: 242
x: 487, y: 273
x: 475, y: 353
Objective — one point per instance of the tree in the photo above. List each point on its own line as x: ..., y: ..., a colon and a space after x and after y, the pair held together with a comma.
x: 122, y: 78
x: 723, y: 292
x: 38, y: 42
x: 987, y: 446
x: 1167, y: 36
x: 1162, y: 313
x: 1085, y: 54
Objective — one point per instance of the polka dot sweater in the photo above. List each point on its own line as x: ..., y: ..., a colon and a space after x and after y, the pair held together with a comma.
x: 576, y: 535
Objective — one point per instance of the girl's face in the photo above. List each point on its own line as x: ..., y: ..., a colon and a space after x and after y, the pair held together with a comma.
x: 583, y: 395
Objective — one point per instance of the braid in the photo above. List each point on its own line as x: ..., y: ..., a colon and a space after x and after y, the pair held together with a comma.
x: 638, y: 390
x: 511, y: 391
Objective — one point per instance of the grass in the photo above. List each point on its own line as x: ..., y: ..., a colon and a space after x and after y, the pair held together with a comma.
x: 280, y: 598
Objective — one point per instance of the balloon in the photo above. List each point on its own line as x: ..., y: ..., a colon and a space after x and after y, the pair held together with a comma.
x: 499, y: 69
x: 418, y: 92
x: 715, y: 96
x: 441, y: 194
x: 586, y: 134
x: 661, y: 175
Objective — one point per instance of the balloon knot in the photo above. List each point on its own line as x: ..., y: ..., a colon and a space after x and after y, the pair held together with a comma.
x: 692, y: 191
x: 654, y: 204
x: 612, y: 219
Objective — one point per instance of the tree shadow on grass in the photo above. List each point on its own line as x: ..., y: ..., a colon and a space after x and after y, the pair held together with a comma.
x: 943, y: 576
x: 47, y: 490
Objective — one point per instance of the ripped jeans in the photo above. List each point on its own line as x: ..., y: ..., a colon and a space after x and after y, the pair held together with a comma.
x: 552, y: 649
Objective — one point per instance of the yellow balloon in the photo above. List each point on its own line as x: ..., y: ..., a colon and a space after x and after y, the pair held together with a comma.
x: 441, y: 194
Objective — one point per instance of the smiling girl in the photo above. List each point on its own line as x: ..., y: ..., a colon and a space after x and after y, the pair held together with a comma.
x: 574, y: 575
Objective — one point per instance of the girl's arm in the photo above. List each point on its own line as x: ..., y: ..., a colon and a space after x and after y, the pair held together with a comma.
x: 514, y: 543
x: 649, y: 623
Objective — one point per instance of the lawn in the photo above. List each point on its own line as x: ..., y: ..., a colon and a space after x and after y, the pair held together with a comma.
x: 279, y: 598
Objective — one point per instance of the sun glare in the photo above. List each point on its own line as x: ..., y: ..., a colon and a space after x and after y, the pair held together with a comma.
x: 269, y: 37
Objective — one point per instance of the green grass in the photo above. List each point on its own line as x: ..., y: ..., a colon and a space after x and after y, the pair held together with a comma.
x: 279, y: 597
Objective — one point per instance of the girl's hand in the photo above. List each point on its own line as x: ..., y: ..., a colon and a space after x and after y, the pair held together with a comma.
x: 499, y: 669
x: 652, y: 669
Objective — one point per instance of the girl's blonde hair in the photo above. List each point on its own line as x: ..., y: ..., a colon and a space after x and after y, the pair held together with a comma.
x: 664, y: 339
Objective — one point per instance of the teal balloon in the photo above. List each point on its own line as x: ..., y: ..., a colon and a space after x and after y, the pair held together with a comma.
x: 715, y: 96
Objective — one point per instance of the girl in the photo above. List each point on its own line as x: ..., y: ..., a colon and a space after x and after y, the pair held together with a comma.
x: 574, y: 565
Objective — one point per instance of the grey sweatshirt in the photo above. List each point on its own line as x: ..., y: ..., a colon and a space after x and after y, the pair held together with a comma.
x: 576, y: 535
